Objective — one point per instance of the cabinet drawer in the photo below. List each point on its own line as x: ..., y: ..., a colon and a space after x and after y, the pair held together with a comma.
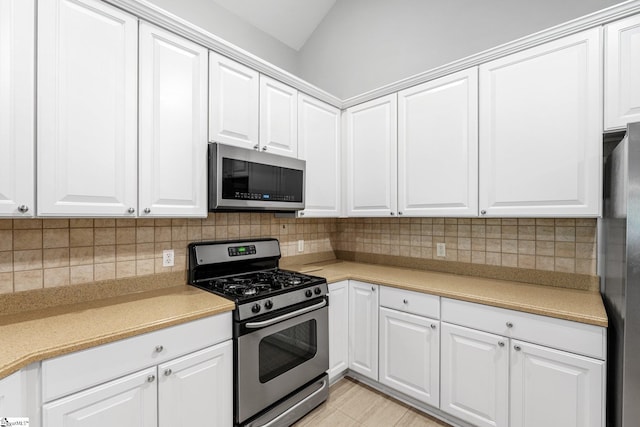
x: 575, y: 337
x: 77, y: 371
x: 410, y: 302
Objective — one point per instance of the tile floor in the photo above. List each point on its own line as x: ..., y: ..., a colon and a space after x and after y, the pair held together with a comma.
x: 352, y: 403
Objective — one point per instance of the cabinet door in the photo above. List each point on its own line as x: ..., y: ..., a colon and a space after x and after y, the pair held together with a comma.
x: 338, y: 328
x: 278, y: 118
x: 130, y: 401
x: 622, y: 73
x: 474, y: 376
x: 363, y: 328
x: 410, y: 355
x: 438, y: 147
x: 233, y: 102
x: 173, y: 125
x: 87, y: 109
x: 319, y: 145
x: 13, y: 395
x: 541, y: 130
x: 371, y: 158
x: 17, y: 108
x: 554, y: 388
x: 197, y: 389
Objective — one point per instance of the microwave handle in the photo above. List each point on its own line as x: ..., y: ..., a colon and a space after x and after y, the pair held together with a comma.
x: 254, y: 325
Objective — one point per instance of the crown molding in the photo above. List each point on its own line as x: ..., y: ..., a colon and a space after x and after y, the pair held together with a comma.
x: 153, y: 14
x: 604, y: 16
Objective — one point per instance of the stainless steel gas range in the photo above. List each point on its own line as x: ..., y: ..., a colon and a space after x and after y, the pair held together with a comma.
x: 280, y: 329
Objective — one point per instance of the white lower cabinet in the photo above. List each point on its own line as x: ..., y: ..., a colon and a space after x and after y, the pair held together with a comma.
x: 363, y: 328
x: 12, y: 395
x: 474, y: 376
x: 162, y: 378
x: 493, y: 377
x: 197, y: 389
x: 338, y: 332
x: 410, y: 355
x: 128, y: 401
x: 555, y: 388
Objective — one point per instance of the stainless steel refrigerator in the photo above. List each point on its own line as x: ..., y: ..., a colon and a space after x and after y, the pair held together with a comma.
x: 620, y: 272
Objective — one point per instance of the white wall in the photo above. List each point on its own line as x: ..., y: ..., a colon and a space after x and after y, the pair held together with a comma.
x: 209, y: 16
x: 365, y: 44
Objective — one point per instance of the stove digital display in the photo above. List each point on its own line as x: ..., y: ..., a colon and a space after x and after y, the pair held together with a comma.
x: 242, y: 250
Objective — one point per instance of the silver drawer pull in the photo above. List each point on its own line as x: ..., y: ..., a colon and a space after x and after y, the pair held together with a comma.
x: 254, y: 325
x: 406, y: 301
x: 159, y: 348
x: 167, y: 372
x: 433, y: 326
x: 509, y: 325
x: 517, y: 348
x: 151, y: 378
x: 501, y: 343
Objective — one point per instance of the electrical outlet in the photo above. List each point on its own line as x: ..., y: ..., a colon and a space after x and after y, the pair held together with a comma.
x: 168, y: 258
x: 441, y: 249
x: 300, y: 245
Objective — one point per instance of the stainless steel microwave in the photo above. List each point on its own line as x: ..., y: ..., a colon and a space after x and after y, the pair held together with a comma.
x: 243, y: 179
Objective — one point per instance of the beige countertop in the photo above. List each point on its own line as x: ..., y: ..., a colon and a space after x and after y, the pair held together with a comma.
x: 569, y: 304
x: 36, y: 334
x: 41, y: 334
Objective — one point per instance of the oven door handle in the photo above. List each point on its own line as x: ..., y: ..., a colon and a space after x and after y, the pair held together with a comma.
x: 302, y: 402
x: 254, y: 325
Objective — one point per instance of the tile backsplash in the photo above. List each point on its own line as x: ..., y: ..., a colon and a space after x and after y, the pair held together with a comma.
x: 37, y: 253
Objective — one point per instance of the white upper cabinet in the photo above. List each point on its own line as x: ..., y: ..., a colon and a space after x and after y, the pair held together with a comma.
x: 87, y: 109
x: 278, y: 118
x: 233, y: 102
x: 541, y: 130
x: 17, y: 109
x: 371, y: 157
x: 438, y: 147
x: 319, y: 145
x: 622, y: 73
x: 173, y: 125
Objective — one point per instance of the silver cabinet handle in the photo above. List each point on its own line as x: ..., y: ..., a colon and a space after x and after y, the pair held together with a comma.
x: 256, y: 147
x: 391, y: 213
x: 433, y: 326
x: 399, y: 213
x: 509, y: 325
x: 168, y: 372
x: 501, y: 343
x: 301, y: 213
x: 406, y: 301
x: 23, y: 208
x: 483, y: 212
x: 264, y: 148
x: 517, y: 348
x: 254, y: 325
x: 373, y: 289
x: 159, y: 348
x: 131, y: 210
x: 151, y: 378
x: 147, y: 210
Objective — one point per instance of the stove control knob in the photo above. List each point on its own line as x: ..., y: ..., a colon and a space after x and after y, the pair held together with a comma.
x: 317, y: 291
x: 268, y: 305
x: 256, y: 308
x: 308, y: 293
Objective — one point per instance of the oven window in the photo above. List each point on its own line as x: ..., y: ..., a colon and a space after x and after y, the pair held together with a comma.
x: 287, y: 349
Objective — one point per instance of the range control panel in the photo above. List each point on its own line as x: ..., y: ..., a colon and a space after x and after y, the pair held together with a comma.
x: 242, y: 250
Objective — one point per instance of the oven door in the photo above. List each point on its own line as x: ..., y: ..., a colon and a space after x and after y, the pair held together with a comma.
x: 276, y: 356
